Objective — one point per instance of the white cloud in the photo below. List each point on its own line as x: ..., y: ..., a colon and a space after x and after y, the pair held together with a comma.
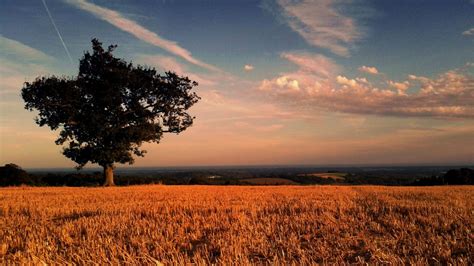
x: 248, y: 67
x: 117, y: 19
x: 346, y: 82
x: 362, y: 80
x: 370, y: 70
x: 283, y: 85
x: 468, y: 32
x: 321, y: 24
x: 285, y: 82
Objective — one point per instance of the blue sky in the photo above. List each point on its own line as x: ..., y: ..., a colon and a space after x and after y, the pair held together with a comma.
x: 403, y: 36
x: 287, y: 78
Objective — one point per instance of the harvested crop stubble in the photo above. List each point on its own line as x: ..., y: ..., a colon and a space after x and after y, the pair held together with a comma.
x: 238, y: 225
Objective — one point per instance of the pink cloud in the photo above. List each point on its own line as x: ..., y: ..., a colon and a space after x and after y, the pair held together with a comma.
x: 168, y: 63
x: 450, y: 94
x: 20, y: 63
x: 118, y: 20
x: 401, y: 87
x: 370, y: 70
x: 26, y: 52
x: 346, y: 82
x: 314, y: 64
x: 321, y: 24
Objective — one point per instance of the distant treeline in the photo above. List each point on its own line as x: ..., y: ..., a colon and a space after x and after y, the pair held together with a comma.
x: 13, y: 175
x: 463, y: 176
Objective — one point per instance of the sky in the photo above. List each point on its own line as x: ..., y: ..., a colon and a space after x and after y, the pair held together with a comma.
x: 323, y: 82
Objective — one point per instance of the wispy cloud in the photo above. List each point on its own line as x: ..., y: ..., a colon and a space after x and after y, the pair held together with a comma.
x: 468, y: 32
x: 258, y: 128
x: 118, y: 20
x: 14, y: 73
x: 168, y: 63
x: 9, y: 47
x: 321, y: 24
x: 313, y: 64
x: 20, y: 63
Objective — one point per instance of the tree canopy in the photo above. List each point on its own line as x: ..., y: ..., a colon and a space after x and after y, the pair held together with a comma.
x: 105, y: 113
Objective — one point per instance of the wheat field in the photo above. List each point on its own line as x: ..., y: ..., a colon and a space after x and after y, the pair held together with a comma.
x: 237, y: 225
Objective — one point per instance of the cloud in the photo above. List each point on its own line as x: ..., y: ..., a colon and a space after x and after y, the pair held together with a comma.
x: 167, y: 63
x: 370, y: 70
x: 321, y: 24
x: 248, y: 67
x: 20, y: 63
x: 314, y: 70
x: 468, y: 32
x: 284, y: 84
x: 217, y: 106
x: 315, y: 64
x: 14, y: 73
x: 9, y: 47
x: 346, y: 82
x: 117, y: 19
x: 449, y: 95
x: 401, y: 87
x: 258, y: 128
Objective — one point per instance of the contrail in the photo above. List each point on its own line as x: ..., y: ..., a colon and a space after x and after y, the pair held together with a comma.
x: 57, y: 31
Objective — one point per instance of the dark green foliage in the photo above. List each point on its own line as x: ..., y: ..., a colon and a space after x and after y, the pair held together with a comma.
x: 12, y: 175
x: 384, y: 178
x: 111, y: 107
x: 72, y: 180
x: 309, y: 180
x: 463, y: 176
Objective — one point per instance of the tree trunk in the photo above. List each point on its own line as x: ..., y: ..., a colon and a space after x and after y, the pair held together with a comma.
x: 108, y: 176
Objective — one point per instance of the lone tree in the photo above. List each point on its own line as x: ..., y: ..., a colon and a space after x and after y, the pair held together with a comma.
x: 111, y: 107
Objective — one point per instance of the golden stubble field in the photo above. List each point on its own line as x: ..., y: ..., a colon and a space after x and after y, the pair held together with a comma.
x: 237, y: 225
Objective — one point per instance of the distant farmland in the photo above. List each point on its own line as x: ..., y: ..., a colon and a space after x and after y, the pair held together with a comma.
x: 335, y: 176
x: 268, y: 181
x: 237, y: 225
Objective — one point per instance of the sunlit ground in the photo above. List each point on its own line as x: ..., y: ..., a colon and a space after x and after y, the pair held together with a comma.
x: 224, y: 225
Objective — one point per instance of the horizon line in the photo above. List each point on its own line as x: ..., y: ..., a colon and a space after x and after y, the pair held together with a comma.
x: 264, y: 166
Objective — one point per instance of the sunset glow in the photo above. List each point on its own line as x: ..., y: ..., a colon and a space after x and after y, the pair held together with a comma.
x: 281, y: 82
